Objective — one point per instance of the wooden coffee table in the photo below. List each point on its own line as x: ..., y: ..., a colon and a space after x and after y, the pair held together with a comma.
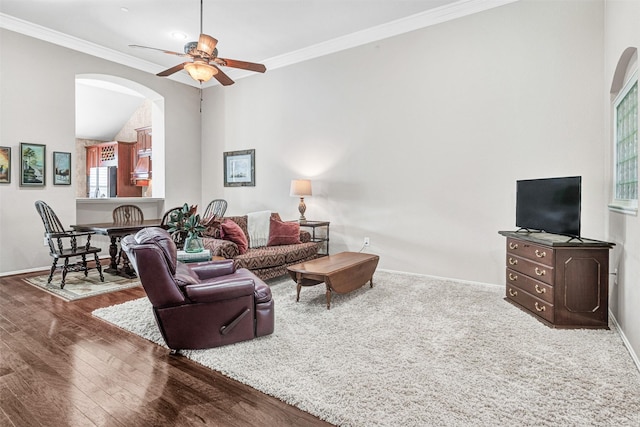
x: 343, y: 272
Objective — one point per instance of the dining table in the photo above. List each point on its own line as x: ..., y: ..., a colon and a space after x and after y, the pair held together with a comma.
x: 115, y: 231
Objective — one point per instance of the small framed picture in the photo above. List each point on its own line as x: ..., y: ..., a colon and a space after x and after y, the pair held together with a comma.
x: 32, y: 164
x: 5, y: 165
x: 239, y: 168
x: 61, y: 168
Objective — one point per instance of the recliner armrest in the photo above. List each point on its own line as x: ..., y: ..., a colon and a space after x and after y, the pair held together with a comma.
x: 210, y: 292
x: 209, y: 269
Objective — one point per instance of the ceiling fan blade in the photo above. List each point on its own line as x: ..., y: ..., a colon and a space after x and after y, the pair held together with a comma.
x: 172, y: 70
x: 222, y: 77
x: 251, y: 66
x: 159, y: 50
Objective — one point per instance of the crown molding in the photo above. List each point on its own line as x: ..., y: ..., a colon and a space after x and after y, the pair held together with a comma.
x: 61, y: 39
x: 425, y: 19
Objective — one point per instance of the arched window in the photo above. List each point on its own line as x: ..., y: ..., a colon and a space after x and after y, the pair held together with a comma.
x: 625, y: 133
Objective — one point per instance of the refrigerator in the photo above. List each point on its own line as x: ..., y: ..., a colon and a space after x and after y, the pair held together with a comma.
x: 103, y: 182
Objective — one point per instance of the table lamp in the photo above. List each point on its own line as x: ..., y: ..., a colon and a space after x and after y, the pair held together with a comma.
x: 301, y: 188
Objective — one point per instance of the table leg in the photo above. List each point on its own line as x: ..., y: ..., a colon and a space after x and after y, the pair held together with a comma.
x: 299, y: 282
x: 328, y: 293
x: 113, y: 252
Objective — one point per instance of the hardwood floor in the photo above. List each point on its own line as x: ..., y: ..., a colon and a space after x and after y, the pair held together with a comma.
x: 60, y: 366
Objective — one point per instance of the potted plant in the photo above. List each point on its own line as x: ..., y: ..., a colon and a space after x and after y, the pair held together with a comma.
x: 185, y: 228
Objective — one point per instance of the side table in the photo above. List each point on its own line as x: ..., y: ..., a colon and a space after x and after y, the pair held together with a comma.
x: 320, y: 237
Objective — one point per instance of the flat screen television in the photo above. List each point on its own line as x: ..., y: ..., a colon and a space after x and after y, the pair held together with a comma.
x: 551, y: 205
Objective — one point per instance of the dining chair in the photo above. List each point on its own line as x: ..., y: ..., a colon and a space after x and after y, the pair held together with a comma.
x: 177, y: 236
x: 64, y: 244
x: 215, y: 210
x: 128, y: 214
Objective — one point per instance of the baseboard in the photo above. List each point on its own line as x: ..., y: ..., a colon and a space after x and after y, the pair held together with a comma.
x: 39, y: 269
x: 467, y: 282
x: 626, y: 342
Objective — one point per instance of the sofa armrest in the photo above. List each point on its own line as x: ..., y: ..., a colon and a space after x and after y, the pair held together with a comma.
x: 211, y: 292
x: 209, y: 269
x: 221, y: 247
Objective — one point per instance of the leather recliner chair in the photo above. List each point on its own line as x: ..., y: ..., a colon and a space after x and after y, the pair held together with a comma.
x: 199, y: 305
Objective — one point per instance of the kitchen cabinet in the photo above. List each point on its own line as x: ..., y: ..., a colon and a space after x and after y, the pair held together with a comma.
x: 121, y: 155
x: 141, y: 172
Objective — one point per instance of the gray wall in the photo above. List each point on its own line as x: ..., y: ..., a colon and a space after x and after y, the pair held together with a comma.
x: 41, y: 109
x: 417, y: 141
x: 622, y: 20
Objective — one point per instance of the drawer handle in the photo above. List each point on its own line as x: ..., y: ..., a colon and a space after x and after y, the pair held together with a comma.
x: 538, y: 308
x: 513, y: 293
x: 541, y: 254
x: 539, y: 272
x: 513, y: 261
x: 513, y: 277
x: 540, y: 291
x: 513, y: 245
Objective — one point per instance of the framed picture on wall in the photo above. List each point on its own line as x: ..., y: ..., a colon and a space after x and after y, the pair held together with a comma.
x: 5, y: 165
x: 32, y: 164
x: 61, y: 168
x: 239, y: 168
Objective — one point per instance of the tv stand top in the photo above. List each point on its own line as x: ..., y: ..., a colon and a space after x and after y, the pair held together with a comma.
x: 556, y: 240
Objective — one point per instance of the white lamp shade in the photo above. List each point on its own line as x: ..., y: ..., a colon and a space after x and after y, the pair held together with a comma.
x: 300, y: 187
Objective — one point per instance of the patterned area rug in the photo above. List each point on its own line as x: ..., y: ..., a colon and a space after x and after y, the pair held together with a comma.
x: 78, y: 286
x: 419, y: 351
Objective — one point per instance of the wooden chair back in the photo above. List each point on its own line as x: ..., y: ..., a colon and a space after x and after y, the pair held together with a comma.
x: 49, y: 218
x: 128, y: 214
x: 215, y: 210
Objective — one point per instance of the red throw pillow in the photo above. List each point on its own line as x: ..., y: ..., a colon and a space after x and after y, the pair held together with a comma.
x: 229, y: 230
x: 283, y: 233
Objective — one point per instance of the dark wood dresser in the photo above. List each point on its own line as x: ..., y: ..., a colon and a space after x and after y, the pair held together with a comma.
x: 563, y: 282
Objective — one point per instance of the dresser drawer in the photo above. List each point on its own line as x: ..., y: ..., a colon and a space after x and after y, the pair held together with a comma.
x: 540, y: 272
x: 531, y: 303
x: 538, y: 253
x: 532, y: 286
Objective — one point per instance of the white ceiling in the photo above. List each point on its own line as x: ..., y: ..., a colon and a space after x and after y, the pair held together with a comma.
x: 273, y: 32
x: 102, y: 109
x: 276, y: 33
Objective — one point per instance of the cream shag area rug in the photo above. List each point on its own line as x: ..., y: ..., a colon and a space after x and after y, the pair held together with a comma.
x: 78, y: 286
x: 418, y: 351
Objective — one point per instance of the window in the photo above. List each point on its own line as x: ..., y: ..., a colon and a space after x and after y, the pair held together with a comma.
x: 625, y: 139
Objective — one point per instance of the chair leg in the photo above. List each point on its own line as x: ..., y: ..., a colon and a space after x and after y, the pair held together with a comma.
x: 64, y: 272
x: 84, y: 265
x: 98, y: 266
x: 53, y: 268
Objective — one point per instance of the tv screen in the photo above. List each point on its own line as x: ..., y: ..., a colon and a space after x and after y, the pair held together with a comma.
x: 551, y: 205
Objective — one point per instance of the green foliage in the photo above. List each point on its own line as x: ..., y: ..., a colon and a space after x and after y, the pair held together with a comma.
x: 186, y: 220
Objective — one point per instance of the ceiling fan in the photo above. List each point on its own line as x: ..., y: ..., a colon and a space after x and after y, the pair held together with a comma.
x: 205, y: 63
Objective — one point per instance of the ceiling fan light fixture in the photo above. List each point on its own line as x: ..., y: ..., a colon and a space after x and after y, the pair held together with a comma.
x: 200, y: 71
x: 206, y: 44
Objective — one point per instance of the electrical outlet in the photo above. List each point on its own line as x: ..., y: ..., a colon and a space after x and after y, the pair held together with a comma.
x: 367, y: 242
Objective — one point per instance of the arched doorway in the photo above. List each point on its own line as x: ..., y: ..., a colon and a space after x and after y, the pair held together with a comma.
x: 106, y: 106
